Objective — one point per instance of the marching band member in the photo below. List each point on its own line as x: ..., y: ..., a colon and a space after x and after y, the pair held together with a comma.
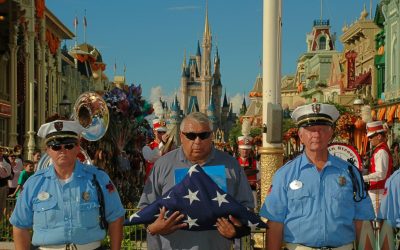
x: 154, y: 150
x: 246, y: 159
x: 381, y: 162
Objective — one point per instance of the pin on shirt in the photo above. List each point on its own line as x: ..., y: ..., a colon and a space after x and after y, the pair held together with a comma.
x: 85, y: 196
x: 43, y: 196
x: 296, y: 184
x: 342, y: 180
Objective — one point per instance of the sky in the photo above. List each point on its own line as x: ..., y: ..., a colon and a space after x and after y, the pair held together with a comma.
x: 150, y: 37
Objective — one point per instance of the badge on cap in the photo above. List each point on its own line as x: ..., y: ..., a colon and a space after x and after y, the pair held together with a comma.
x: 42, y: 196
x: 342, y: 180
x: 58, y: 126
x: 85, y: 196
x: 296, y: 184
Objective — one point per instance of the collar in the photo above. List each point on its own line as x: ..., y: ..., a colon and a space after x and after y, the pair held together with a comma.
x: 305, y: 162
x: 78, y: 170
x: 182, y: 157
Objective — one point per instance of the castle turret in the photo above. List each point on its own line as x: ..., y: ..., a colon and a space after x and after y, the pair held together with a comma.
x: 211, y: 113
x: 243, y: 109
x: 217, y: 85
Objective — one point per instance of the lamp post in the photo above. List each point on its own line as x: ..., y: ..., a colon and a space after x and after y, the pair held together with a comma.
x: 357, y: 104
x: 65, y: 106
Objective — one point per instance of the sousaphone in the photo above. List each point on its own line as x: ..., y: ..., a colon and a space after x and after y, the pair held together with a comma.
x: 91, y: 111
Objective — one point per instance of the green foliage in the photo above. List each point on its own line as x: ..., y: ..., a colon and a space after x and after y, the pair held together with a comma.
x: 287, y: 124
x: 235, y: 131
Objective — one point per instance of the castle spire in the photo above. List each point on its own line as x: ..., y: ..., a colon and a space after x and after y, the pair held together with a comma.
x: 184, y: 59
x: 207, y: 30
x: 225, y: 103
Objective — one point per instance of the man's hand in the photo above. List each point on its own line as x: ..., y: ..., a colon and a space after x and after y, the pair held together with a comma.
x: 227, y: 227
x: 164, y: 225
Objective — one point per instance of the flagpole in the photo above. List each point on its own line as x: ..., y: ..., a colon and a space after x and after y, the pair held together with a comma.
x: 84, y: 27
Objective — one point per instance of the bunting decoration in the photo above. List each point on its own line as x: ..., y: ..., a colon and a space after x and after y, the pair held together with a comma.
x: 201, y: 201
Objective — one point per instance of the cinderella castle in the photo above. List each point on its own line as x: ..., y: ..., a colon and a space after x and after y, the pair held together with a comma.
x: 201, y: 87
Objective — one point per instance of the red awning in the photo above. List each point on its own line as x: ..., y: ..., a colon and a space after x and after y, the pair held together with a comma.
x: 363, y: 79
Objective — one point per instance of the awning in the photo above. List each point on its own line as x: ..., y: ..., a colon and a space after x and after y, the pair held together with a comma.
x: 363, y: 79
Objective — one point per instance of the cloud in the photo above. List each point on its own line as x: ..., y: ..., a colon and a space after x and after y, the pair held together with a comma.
x: 156, y: 93
x: 237, y: 101
x: 183, y: 8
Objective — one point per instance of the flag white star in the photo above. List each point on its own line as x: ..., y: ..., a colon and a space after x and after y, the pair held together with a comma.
x: 220, y: 198
x: 192, y: 196
x: 251, y: 225
x: 191, y: 222
x: 192, y: 169
x: 165, y: 215
x: 135, y: 215
x: 167, y: 197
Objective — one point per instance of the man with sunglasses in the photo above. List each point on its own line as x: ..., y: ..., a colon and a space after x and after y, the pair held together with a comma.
x: 381, y: 162
x: 154, y: 150
x: 69, y: 205
x: 197, y: 148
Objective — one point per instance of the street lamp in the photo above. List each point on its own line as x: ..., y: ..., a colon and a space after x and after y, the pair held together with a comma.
x: 357, y: 104
x: 65, y: 106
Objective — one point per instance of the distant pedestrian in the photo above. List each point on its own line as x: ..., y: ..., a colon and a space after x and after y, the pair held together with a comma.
x: 25, y: 174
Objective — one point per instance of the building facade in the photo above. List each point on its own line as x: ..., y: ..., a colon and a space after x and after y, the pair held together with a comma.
x: 201, y: 85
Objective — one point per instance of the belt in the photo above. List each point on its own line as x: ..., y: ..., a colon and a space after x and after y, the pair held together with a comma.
x: 292, y: 246
x: 72, y: 246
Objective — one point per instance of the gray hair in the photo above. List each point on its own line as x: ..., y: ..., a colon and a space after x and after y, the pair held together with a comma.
x: 198, y: 117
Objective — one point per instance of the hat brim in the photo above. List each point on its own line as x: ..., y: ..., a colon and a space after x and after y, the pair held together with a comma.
x: 369, y: 134
x: 161, y: 129
x: 61, y: 140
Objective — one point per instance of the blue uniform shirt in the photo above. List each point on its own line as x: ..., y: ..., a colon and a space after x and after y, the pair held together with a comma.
x: 316, y: 208
x: 66, y: 213
x: 390, y: 206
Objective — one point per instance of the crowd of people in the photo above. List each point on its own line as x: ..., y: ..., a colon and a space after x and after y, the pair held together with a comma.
x: 316, y: 200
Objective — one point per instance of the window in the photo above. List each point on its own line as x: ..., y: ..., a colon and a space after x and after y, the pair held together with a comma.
x: 322, y: 43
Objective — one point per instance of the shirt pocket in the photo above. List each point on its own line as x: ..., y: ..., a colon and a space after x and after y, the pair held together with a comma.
x: 343, y: 203
x: 89, y: 214
x: 300, y: 202
x: 45, y: 213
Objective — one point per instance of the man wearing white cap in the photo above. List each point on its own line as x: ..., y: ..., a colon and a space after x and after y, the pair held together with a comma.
x: 155, y: 149
x: 69, y: 205
x: 316, y: 201
x: 381, y: 162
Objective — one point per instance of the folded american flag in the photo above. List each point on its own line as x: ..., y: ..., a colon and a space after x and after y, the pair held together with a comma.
x: 200, y: 199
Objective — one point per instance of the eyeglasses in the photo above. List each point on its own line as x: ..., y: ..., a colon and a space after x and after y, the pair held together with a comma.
x: 161, y: 132
x: 58, y: 147
x: 192, y: 136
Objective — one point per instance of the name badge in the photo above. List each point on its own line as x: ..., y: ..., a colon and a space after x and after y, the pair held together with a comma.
x: 296, y: 184
x: 42, y: 196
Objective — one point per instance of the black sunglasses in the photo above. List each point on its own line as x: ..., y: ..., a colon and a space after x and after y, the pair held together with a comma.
x: 161, y: 132
x: 192, y: 136
x: 58, y: 147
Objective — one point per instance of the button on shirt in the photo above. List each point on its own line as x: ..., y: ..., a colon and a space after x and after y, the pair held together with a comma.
x: 65, y: 213
x: 390, y: 206
x: 316, y: 208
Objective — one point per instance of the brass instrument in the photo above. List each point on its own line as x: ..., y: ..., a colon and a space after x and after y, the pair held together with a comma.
x: 91, y: 111
x: 7, y: 150
x: 170, y: 142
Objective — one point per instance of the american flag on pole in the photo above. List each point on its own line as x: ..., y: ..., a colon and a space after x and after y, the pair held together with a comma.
x: 76, y: 22
x: 200, y: 199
